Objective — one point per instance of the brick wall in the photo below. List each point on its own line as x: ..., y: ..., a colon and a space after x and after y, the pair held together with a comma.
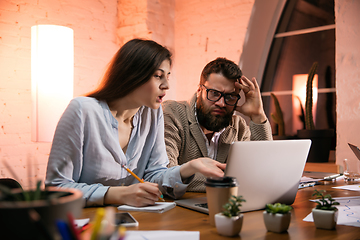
x: 205, y: 30
x: 94, y: 25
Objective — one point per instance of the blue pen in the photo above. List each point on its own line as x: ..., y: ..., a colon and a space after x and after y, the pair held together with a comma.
x: 63, y: 230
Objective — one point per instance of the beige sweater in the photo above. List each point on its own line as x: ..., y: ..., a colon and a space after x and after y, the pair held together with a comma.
x: 184, y: 140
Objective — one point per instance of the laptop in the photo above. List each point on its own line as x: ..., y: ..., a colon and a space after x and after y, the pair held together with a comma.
x: 355, y: 149
x: 267, y: 172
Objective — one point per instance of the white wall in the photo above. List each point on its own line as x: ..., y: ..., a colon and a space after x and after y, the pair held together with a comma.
x: 347, y: 19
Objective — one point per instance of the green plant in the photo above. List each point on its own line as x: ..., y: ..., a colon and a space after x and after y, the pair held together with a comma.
x: 309, y: 119
x: 29, y: 195
x: 232, y: 208
x: 278, y: 116
x: 325, y: 202
x: 23, y: 195
x: 277, y: 208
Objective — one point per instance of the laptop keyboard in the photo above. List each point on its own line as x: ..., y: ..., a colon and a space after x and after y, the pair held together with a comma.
x: 203, y: 205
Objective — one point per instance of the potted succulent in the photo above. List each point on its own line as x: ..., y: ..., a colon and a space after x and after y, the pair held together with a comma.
x: 320, y: 138
x: 277, y: 217
x: 229, y: 222
x: 325, y: 214
x: 32, y: 213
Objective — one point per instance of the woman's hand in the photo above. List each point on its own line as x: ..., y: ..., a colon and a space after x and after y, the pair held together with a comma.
x: 137, y: 195
x: 207, y: 166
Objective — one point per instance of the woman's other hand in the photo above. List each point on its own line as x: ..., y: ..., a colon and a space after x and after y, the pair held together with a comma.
x: 207, y: 166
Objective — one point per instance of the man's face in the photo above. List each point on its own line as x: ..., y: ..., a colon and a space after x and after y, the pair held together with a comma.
x: 215, y: 116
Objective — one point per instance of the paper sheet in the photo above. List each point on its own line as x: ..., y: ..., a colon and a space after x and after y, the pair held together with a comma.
x: 162, y: 235
x: 352, y: 187
x: 82, y: 222
x: 309, y: 179
x: 349, y: 211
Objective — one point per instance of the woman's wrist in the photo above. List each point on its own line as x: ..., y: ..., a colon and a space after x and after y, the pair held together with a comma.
x: 113, y: 196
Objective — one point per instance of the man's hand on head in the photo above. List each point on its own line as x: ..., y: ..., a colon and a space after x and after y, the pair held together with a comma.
x: 253, y: 106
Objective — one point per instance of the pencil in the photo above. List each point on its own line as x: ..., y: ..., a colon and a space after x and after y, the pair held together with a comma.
x: 140, y: 180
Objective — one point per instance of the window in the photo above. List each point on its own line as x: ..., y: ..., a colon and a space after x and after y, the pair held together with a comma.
x: 304, y: 34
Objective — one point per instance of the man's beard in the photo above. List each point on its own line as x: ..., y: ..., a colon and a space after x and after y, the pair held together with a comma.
x: 209, y: 121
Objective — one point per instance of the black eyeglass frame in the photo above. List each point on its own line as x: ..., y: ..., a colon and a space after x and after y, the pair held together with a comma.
x: 224, y: 95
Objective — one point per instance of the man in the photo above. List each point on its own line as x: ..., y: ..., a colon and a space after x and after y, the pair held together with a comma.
x: 206, y: 126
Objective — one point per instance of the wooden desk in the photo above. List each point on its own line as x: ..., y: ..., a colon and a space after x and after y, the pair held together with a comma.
x: 253, y: 227
x: 323, y: 167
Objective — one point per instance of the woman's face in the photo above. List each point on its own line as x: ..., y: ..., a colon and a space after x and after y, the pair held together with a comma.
x: 151, y: 93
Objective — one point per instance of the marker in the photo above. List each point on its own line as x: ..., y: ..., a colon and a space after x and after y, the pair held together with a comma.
x: 63, y: 230
x: 122, y: 232
x: 304, y: 185
x: 98, y: 219
x: 75, y: 232
x: 140, y: 180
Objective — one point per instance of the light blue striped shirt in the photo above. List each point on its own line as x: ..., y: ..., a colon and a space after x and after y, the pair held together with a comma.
x: 86, y: 153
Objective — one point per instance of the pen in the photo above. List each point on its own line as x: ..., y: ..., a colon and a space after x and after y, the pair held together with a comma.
x: 140, y: 180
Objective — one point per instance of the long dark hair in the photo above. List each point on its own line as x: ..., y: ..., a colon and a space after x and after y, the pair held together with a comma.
x: 133, y: 65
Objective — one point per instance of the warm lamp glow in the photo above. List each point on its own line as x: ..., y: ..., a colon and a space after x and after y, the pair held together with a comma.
x: 52, y: 76
x: 299, y: 90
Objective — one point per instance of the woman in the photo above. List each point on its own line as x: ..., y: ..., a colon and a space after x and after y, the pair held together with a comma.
x: 121, y: 123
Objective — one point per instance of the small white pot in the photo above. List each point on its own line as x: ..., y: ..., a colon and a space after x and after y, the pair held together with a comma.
x: 277, y: 222
x: 325, y: 219
x: 228, y: 226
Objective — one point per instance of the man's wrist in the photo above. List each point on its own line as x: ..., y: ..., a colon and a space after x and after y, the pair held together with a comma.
x: 259, y: 119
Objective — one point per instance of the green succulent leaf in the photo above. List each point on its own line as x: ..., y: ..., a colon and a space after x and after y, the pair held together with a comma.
x: 278, y: 208
x: 232, y: 208
x: 325, y: 202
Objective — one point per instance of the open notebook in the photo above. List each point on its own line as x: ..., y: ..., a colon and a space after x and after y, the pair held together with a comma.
x: 267, y: 172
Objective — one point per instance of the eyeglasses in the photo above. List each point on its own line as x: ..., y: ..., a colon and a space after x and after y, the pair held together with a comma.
x: 214, y: 96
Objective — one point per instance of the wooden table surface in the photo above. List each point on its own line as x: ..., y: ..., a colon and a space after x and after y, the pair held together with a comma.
x: 253, y: 226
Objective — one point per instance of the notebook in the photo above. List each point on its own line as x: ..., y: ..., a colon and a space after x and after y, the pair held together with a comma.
x: 267, y: 172
x: 159, y: 207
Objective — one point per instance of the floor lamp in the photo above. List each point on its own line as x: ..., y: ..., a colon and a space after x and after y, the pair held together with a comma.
x: 52, y: 77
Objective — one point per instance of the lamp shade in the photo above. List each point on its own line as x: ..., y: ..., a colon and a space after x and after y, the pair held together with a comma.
x: 52, y: 77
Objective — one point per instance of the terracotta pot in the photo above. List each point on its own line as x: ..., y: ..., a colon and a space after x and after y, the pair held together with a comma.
x: 325, y: 219
x: 277, y: 222
x: 16, y: 223
x: 228, y: 226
